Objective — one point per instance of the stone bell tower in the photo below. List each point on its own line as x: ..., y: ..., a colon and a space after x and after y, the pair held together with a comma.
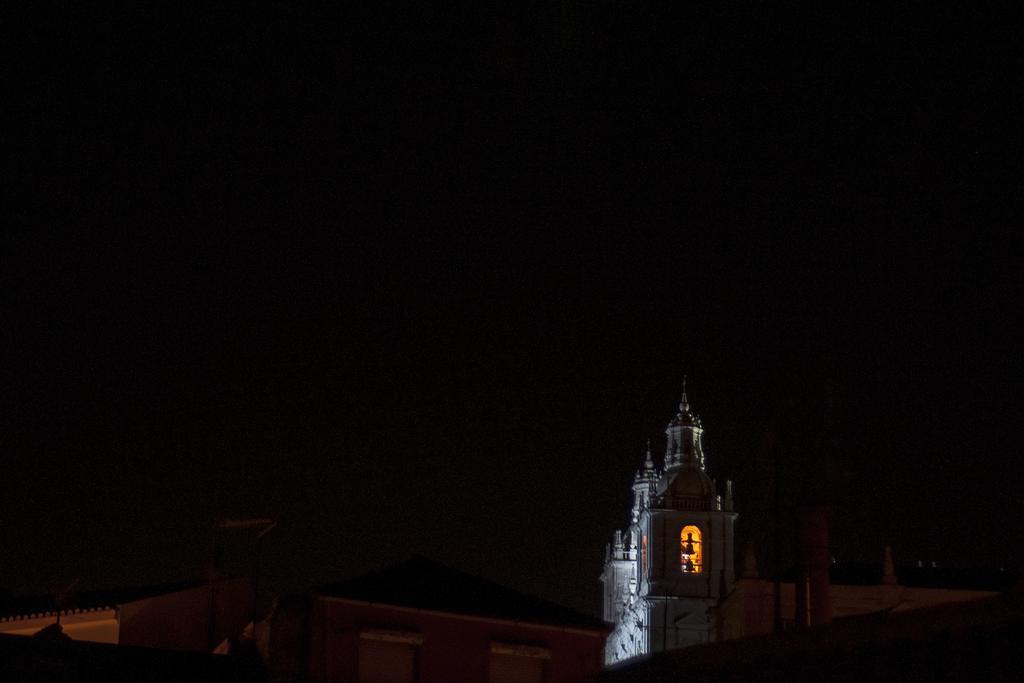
x: 666, y: 573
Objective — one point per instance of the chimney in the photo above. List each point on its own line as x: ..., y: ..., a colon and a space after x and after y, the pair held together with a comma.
x: 749, y: 562
x: 813, y: 606
x: 888, y: 568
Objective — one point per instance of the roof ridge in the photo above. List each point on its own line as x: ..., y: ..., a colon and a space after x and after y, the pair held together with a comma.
x: 426, y: 583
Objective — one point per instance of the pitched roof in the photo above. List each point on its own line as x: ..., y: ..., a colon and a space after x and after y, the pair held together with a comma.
x: 424, y: 584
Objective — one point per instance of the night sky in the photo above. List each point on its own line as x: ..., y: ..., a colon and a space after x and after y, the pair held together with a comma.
x: 425, y: 280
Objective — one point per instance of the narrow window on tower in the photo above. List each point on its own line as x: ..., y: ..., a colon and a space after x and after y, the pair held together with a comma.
x: 643, y: 556
x: 691, y: 556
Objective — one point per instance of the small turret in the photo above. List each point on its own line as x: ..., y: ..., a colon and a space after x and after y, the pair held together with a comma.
x: 643, y: 484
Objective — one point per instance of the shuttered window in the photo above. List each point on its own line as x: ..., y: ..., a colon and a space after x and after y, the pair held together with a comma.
x: 384, y: 658
x: 512, y: 669
x: 517, y: 664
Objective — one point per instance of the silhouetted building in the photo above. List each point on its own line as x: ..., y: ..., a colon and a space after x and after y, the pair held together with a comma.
x: 179, y: 616
x: 853, y: 589
x: 421, y: 621
x: 959, y: 641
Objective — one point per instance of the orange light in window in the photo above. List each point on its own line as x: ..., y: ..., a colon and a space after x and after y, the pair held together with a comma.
x: 643, y: 556
x: 691, y: 555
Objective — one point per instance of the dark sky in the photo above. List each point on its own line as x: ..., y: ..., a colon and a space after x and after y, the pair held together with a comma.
x: 424, y: 280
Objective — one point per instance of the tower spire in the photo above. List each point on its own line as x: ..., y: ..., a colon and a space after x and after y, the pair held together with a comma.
x: 683, y: 436
x: 649, y: 461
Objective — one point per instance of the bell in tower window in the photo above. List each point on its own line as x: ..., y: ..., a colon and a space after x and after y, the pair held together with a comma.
x: 691, y: 557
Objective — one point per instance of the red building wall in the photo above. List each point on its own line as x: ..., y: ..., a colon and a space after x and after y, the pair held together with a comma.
x: 454, y: 648
x: 181, y: 620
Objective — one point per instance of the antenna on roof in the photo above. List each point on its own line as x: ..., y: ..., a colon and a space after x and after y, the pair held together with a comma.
x: 61, y: 597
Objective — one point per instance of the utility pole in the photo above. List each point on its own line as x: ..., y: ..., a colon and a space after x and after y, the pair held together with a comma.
x: 775, y: 463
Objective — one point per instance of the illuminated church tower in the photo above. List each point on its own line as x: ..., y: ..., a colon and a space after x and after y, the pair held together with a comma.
x: 664, y: 575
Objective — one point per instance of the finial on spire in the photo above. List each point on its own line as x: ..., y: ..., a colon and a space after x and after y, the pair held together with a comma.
x: 649, y: 461
x: 684, y: 403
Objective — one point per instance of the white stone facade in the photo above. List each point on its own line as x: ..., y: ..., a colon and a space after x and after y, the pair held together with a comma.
x: 667, y: 571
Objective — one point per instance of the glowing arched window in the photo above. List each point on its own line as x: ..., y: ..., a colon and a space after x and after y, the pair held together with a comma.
x: 691, y: 553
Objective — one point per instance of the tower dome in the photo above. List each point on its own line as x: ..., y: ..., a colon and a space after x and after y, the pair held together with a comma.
x: 691, y: 482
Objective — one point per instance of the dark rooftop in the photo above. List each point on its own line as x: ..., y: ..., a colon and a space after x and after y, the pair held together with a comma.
x: 974, y: 640
x: 848, y: 573
x: 424, y: 584
x: 97, y: 599
x: 58, y: 658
